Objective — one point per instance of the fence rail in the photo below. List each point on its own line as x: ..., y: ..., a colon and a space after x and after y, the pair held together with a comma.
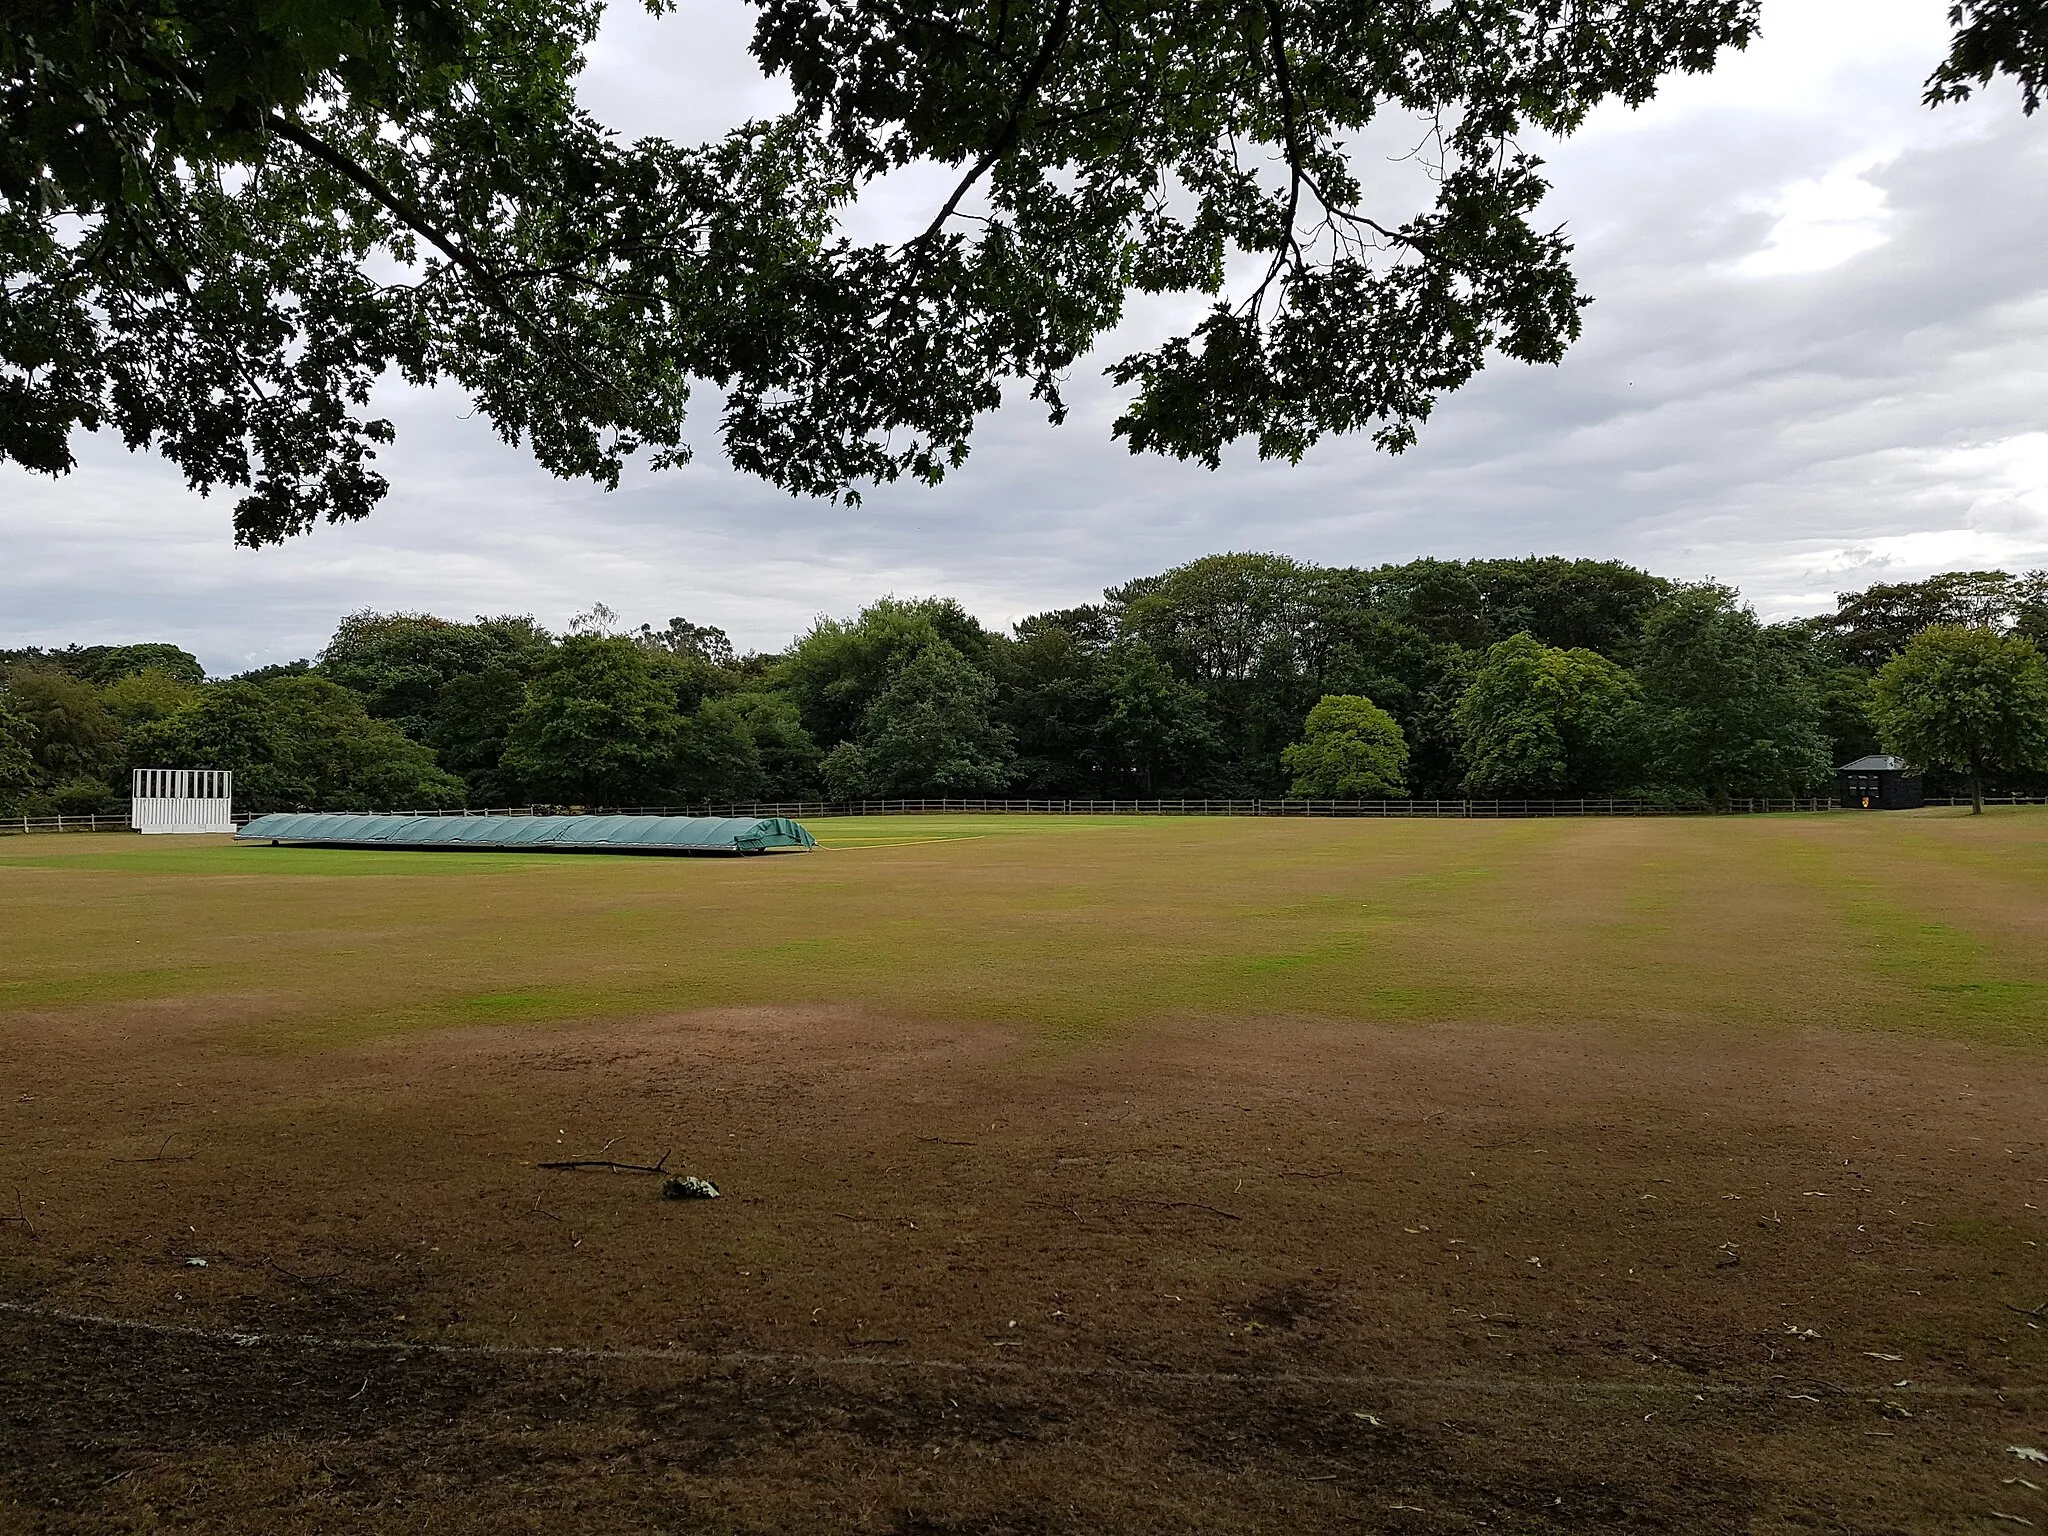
x: 117, y: 821
x: 104, y: 821
x: 1989, y: 799
x: 1476, y: 809
x: 1461, y: 809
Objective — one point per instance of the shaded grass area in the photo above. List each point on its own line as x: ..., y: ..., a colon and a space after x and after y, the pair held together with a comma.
x: 1075, y: 925
x: 504, y: 1446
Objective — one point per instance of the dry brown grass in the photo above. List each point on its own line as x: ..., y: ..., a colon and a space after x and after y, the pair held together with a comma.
x: 1134, y: 1176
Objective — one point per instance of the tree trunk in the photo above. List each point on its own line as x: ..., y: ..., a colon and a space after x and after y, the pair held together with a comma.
x: 1976, y: 789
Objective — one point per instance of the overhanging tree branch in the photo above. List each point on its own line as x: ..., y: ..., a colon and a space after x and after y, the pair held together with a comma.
x: 1276, y: 38
x: 1034, y: 78
x: 403, y: 209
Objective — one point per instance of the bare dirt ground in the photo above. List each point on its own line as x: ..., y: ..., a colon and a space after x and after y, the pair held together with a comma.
x: 1258, y: 1274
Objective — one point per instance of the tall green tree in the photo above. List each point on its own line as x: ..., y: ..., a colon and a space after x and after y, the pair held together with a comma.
x: 1966, y: 698
x: 716, y: 758
x: 472, y: 722
x: 839, y: 667
x: 1416, y: 679
x: 344, y: 760
x: 788, y: 758
x: 1049, y: 689
x: 1540, y: 721
x: 221, y: 223
x: 1730, y: 710
x: 1350, y: 749
x: 1153, y: 734
x: 17, y: 765
x: 1216, y: 619
x: 400, y: 662
x: 297, y: 744
x: 934, y: 731
x: 71, y: 734
x: 598, y: 727
x: 1841, y: 686
x: 1870, y: 627
x: 1236, y: 627
x: 149, y: 694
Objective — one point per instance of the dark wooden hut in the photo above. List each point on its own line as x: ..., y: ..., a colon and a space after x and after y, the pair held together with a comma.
x: 1879, y: 783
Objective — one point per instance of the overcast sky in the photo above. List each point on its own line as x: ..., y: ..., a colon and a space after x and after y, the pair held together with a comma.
x: 1818, y: 358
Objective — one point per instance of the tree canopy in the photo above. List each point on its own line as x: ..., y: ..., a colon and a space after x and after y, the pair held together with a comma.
x: 597, y: 727
x: 400, y: 662
x: 1967, y: 698
x: 220, y: 224
x: 1992, y: 38
x: 72, y: 733
x: 297, y: 743
x: 1350, y: 749
x: 933, y: 731
x: 1543, y: 722
x: 840, y: 667
x: 1731, y: 710
x: 103, y: 664
x: 1869, y: 627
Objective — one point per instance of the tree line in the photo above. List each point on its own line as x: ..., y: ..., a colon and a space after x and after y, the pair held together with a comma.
x: 1233, y: 675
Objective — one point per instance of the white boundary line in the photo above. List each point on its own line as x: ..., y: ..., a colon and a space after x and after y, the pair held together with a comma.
x: 896, y: 842
x: 1496, y: 1386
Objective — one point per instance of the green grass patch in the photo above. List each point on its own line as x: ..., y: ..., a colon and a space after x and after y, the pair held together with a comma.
x: 528, y: 1004
x: 107, y: 985
x: 1888, y: 886
x: 261, y: 860
x: 1076, y: 926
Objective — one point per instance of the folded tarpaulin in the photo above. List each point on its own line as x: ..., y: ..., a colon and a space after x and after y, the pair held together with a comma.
x: 552, y: 834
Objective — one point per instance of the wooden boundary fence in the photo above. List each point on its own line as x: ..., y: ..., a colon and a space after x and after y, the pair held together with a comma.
x: 117, y: 821
x: 105, y: 821
x: 1489, y: 809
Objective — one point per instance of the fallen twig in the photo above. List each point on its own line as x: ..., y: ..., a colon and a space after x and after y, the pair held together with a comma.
x: 182, y: 1157
x: 1187, y: 1205
x: 844, y: 1216
x: 20, y: 1215
x: 607, y: 1164
x: 294, y: 1275
x: 2028, y: 1311
x: 945, y: 1141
